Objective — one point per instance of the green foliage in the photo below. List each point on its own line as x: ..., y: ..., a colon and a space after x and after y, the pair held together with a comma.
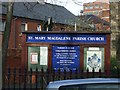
x: 115, y: 68
x: 114, y: 63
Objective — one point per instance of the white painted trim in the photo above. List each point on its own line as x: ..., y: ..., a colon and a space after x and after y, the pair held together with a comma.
x: 105, y: 17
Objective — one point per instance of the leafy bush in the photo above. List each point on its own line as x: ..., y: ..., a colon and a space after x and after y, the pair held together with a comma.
x: 114, y: 63
x: 115, y: 68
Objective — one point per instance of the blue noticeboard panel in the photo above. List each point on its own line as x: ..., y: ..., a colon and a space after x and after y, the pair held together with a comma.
x: 65, y: 57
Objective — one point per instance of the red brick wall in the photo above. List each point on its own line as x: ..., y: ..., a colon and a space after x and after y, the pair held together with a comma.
x: 13, y: 58
x: 104, y: 9
x: 16, y: 35
x: 15, y: 40
x: 106, y: 14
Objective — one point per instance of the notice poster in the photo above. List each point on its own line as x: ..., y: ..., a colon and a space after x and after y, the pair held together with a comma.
x: 34, y: 58
x: 65, y: 57
x: 94, y: 60
x: 43, y: 55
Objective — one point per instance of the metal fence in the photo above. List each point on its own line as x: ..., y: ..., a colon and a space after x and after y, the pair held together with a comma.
x: 23, y: 79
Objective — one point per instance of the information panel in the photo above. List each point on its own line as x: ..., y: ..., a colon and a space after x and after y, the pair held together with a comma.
x: 65, y: 57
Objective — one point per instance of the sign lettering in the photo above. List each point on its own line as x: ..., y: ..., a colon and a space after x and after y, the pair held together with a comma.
x: 63, y: 38
x: 65, y: 57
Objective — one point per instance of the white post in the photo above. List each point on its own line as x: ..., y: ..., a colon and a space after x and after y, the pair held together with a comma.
x: 75, y: 26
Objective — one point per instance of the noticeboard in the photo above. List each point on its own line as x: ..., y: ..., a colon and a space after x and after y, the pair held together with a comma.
x: 65, y: 57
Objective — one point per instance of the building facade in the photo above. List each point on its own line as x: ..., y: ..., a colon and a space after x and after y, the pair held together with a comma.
x: 105, y: 1
x: 95, y: 22
x: 37, y: 17
x: 99, y: 9
x: 41, y: 17
x: 115, y: 26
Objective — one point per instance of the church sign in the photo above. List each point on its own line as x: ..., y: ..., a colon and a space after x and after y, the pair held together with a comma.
x: 67, y: 50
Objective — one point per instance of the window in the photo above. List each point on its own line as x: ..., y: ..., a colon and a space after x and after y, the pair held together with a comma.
x: 96, y: 13
x: 94, y: 86
x: 101, y: 6
x: 2, y: 25
x: 37, y: 57
x: 91, y: 7
x: 24, y: 27
x: 62, y: 29
x: 96, y: 6
x: 94, y: 58
x: 86, y: 7
x: 100, y: 13
x: 39, y: 27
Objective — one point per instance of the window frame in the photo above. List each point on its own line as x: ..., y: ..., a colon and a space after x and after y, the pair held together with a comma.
x: 25, y: 26
x: 39, y: 27
x: 3, y: 22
